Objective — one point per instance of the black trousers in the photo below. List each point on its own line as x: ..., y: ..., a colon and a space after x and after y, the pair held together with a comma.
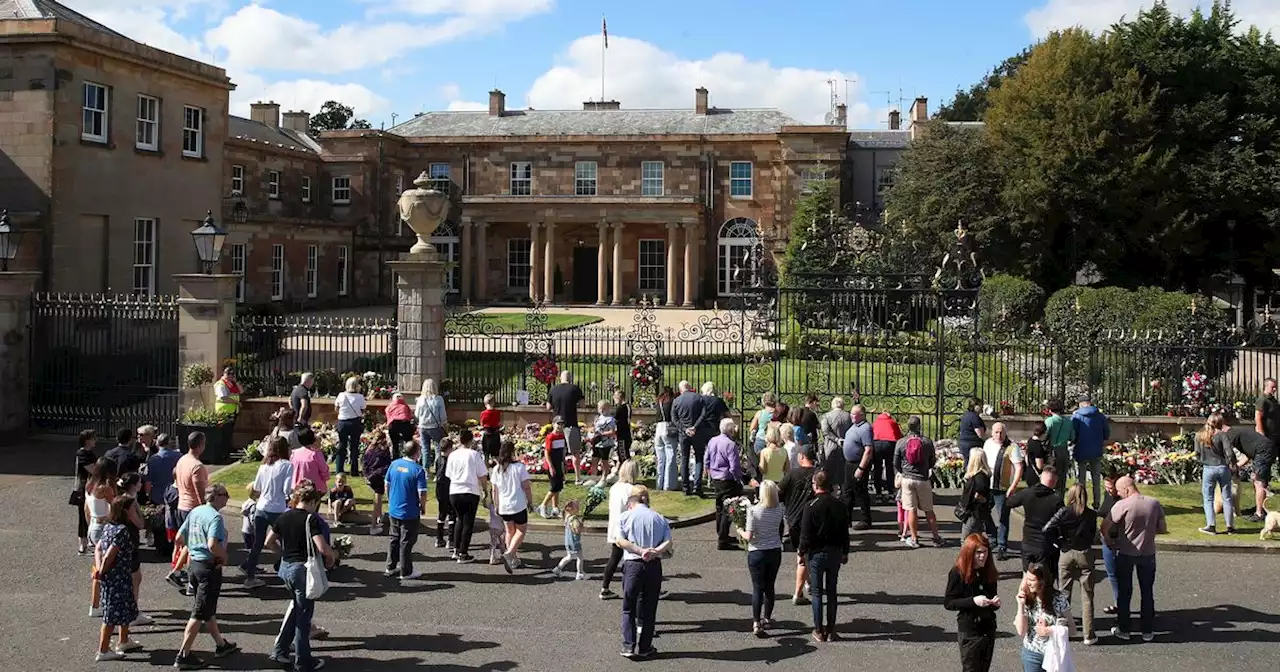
x: 401, y: 432
x: 1046, y: 555
x: 725, y: 490
x: 464, y: 508
x: 856, y: 496
x: 698, y: 445
x: 623, y: 449
x: 611, y: 567
x: 976, y: 651
x: 882, y: 466
x: 404, y: 534
x: 82, y: 525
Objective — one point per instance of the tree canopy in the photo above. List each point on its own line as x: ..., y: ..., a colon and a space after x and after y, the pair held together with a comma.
x: 334, y: 116
x: 972, y: 105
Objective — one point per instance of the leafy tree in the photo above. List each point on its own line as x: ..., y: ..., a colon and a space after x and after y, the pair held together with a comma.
x: 972, y: 105
x: 808, y: 247
x: 335, y: 116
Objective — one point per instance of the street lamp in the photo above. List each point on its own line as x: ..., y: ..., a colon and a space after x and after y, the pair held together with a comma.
x: 9, y: 239
x: 209, y: 240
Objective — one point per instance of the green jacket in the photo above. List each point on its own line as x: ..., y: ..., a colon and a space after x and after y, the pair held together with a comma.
x: 1060, y: 430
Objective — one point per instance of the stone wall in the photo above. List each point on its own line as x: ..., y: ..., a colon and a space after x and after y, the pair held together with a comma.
x: 1123, y: 428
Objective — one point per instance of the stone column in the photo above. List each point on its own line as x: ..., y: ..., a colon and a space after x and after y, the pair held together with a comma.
x: 690, y: 252
x: 15, y: 352
x: 464, y: 262
x: 206, y: 304
x: 672, y: 231
x: 535, y: 268
x: 617, y: 264
x: 420, y: 318
x: 602, y: 263
x: 482, y: 262
x: 549, y: 264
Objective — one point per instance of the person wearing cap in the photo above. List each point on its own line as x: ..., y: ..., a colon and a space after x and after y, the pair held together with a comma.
x: 1091, y: 429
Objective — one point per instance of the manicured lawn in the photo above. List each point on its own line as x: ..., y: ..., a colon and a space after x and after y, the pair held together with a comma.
x: 513, y: 323
x: 1185, y: 514
x: 673, y: 505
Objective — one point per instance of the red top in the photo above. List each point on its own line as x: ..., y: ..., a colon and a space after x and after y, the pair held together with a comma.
x: 885, y: 428
x: 399, y: 410
x: 491, y: 417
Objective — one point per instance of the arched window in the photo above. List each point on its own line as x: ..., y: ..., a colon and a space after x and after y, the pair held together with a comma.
x: 446, y: 241
x: 735, y: 243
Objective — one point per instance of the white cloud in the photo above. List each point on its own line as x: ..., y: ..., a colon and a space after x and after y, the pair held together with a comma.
x: 467, y: 106
x: 151, y: 24
x: 1098, y: 15
x: 641, y: 75
x: 511, y: 9
x: 304, y: 94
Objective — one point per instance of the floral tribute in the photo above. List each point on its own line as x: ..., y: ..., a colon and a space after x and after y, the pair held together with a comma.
x: 645, y: 372
x: 737, y: 508
x: 545, y: 370
x: 1153, y: 459
x: 1195, y: 390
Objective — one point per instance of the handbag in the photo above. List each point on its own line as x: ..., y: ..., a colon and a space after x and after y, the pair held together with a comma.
x: 962, y: 512
x: 76, y: 498
x: 317, y: 580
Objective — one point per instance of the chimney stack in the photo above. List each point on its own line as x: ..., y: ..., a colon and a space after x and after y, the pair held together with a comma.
x: 895, y: 120
x: 602, y: 105
x: 497, y: 103
x: 842, y: 115
x: 299, y: 122
x: 920, y: 110
x: 265, y: 113
x: 700, y: 100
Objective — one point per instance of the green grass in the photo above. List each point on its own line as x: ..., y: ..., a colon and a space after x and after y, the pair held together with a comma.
x: 673, y: 505
x: 514, y: 323
x: 1185, y: 514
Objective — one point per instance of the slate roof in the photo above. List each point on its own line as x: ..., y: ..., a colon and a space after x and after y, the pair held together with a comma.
x: 48, y: 9
x: 883, y: 139
x: 594, y: 122
x: 248, y: 129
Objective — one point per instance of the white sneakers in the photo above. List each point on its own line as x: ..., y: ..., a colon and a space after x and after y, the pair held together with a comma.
x: 106, y: 656
x: 142, y: 619
x: 416, y: 574
x: 131, y: 645
x: 95, y: 612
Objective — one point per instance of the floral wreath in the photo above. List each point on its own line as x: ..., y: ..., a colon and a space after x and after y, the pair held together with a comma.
x: 646, y: 372
x: 545, y: 370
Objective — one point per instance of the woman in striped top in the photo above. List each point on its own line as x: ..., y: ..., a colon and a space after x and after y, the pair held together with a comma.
x: 764, y: 554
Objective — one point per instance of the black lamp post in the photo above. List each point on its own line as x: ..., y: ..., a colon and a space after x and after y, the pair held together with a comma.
x: 209, y: 239
x: 9, y: 239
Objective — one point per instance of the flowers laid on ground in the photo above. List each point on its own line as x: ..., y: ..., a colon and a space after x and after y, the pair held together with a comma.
x: 545, y: 370
x: 1153, y: 459
x: 342, y: 546
x: 1006, y: 408
x: 645, y: 372
x: 948, y: 472
x: 595, y: 496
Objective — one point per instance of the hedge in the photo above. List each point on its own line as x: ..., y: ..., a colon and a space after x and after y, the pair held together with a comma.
x: 1009, y: 303
x: 1087, y: 313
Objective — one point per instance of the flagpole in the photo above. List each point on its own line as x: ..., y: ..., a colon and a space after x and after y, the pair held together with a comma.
x: 604, y: 47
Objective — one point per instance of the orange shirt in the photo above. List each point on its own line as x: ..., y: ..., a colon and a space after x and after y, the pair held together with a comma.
x: 191, y: 478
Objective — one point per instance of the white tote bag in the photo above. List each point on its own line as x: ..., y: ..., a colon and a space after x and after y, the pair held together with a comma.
x: 317, y: 579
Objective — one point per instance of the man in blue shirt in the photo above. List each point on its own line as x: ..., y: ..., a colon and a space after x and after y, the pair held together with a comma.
x: 406, y: 500
x: 1092, y: 430
x: 858, y: 451
x: 205, y: 535
x: 159, y: 477
x: 644, y: 537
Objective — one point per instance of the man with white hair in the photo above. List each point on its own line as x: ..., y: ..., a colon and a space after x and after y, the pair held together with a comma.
x: 563, y: 400
x: 834, y: 426
x: 724, y: 466
x: 686, y: 413
x: 300, y: 398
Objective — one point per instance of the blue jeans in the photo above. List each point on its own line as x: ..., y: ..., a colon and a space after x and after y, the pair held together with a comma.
x: 1031, y: 660
x: 641, y: 584
x: 349, y: 432
x: 429, y: 436
x: 664, y: 457
x: 262, y: 521
x: 1109, y: 561
x: 1001, y: 513
x: 1146, y: 567
x: 297, y: 617
x: 824, y: 577
x: 1093, y: 468
x: 1220, y: 476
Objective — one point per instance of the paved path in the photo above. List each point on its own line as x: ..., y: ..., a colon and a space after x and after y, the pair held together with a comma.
x: 1214, y: 613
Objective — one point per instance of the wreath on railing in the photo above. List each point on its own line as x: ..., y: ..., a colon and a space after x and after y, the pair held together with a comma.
x: 646, y: 372
x: 545, y: 370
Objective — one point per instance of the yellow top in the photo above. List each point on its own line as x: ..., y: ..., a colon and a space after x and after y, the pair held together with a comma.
x: 774, y: 460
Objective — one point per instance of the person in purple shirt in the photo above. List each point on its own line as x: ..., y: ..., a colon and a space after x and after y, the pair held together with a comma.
x: 724, y: 467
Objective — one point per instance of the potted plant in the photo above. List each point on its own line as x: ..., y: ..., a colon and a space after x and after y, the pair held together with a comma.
x: 217, y: 428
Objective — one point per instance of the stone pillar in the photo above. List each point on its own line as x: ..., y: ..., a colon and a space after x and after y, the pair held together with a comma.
x: 617, y: 264
x: 690, y: 251
x: 464, y: 262
x: 206, y: 304
x: 535, y: 268
x: 549, y: 264
x: 15, y: 352
x: 602, y: 263
x: 420, y: 317
x: 482, y: 262
x: 672, y: 231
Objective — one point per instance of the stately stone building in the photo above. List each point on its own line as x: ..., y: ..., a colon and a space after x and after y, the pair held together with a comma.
x: 112, y: 151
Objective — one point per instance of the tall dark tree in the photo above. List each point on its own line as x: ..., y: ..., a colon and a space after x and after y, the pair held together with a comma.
x: 334, y: 116
x: 972, y: 105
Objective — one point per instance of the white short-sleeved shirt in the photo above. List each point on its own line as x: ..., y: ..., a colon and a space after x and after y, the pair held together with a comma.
x: 992, y: 450
x: 274, y: 482
x: 510, y: 487
x: 464, y: 470
x: 619, y: 493
x: 350, y: 405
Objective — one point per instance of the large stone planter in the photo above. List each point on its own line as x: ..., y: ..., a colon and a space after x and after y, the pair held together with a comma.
x: 424, y: 210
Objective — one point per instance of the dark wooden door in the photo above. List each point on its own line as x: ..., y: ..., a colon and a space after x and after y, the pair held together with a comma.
x: 586, y: 268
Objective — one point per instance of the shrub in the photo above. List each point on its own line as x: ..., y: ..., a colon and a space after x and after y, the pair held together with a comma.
x: 1087, y: 313
x: 1009, y: 303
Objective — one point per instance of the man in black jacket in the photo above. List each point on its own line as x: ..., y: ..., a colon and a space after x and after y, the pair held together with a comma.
x: 824, y: 546
x: 796, y: 491
x: 1039, y: 503
x: 687, y: 412
x: 125, y: 457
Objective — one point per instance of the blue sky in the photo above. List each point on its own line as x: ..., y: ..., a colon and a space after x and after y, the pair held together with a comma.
x: 399, y: 57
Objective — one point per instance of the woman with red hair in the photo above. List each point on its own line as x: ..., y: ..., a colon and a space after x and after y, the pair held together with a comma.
x: 971, y: 591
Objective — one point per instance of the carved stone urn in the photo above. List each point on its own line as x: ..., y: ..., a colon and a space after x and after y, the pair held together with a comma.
x: 423, y: 209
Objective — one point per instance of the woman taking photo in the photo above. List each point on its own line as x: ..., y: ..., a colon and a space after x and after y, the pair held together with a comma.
x: 513, y: 495
x: 975, y: 497
x: 666, y: 442
x: 299, y: 533
x: 971, y: 593
x: 1219, y: 461
x: 350, y: 408
x: 764, y: 555
x: 1040, y: 609
x: 270, y: 489
x: 432, y: 419
x: 1074, y: 527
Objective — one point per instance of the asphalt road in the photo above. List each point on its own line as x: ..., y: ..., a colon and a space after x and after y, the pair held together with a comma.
x: 1216, y: 611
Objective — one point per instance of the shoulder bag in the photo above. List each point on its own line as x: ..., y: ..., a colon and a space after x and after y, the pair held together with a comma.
x: 317, y: 579
x: 962, y: 512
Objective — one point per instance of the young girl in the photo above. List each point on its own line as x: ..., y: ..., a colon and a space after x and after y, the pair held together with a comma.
x: 444, y: 510
x: 1040, y: 608
x: 247, y: 511
x: 572, y: 541
x: 497, y: 534
x: 622, y: 424
x: 342, y: 500
x: 788, y: 432
x: 606, y: 437
x: 377, y: 460
x: 99, y: 491
x: 491, y: 430
x: 554, y: 451
x: 113, y: 559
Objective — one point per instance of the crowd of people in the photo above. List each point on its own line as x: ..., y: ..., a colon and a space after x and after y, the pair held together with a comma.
x: 812, y: 480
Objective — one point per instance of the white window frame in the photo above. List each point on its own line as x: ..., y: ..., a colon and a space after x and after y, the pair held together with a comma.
x: 449, y: 245
x: 306, y: 189
x: 583, y: 182
x: 95, y: 113
x: 341, y: 184
x: 749, y: 180
x: 277, y: 272
x: 885, y: 178
x: 521, y: 178
x: 313, y: 271
x: 652, y: 184
x: 144, y: 256
x: 239, y: 262
x: 399, y: 184
x: 517, y: 249
x: 273, y: 184
x: 660, y: 284
x: 192, y: 131
x: 148, y: 120
x: 237, y: 180
x: 342, y: 270
x: 438, y: 170
x: 737, y: 238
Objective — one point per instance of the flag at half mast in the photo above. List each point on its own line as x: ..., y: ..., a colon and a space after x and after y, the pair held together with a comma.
x: 604, y: 30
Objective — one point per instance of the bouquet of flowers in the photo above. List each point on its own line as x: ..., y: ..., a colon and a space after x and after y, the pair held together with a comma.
x: 153, y: 516
x: 595, y: 496
x: 737, y: 509
x: 545, y: 370
x: 342, y: 546
x: 1195, y: 389
x: 1006, y: 408
x: 646, y: 372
